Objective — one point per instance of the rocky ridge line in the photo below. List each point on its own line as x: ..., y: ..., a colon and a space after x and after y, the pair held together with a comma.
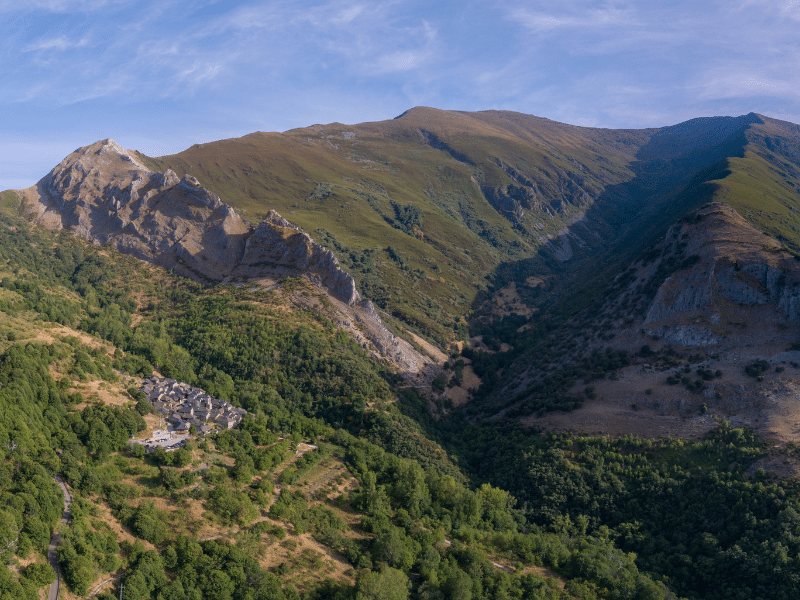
x: 712, y: 278
x: 105, y: 194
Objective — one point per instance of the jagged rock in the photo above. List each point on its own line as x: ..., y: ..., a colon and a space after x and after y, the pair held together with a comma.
x: 281, y: 246
x: 725, y: 259
x: 106, y: 194
x: 561, y: 249
x: 686, y: 335
x: 713, y: 280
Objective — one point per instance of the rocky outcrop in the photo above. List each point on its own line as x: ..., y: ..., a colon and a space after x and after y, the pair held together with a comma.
x: 105, y: 194
x: 686, y: 335
x: 507, y: 200
x: 281, y: 247
x: 713, y: 280
x: 723, y: 260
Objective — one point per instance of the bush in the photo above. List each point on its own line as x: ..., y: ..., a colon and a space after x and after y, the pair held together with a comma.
x: 756, y: 368
x: 40, y: 574
x: 148, y: 523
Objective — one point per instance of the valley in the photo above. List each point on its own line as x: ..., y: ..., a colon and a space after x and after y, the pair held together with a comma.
x: 451, y: 355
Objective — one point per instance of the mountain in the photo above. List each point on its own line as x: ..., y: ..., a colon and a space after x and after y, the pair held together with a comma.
x: 107, y: 195
x: 449, y: 222
x: 429, y: 207
x: 615, y: 416
x: 423, y: 207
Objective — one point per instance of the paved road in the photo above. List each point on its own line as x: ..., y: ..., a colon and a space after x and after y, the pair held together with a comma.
x: 51, y: 552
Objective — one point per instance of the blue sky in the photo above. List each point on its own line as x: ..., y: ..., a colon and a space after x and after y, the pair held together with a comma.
x: 161, y: 76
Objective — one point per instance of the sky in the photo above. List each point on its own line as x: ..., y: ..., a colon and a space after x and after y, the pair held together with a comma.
x: 161, y: 76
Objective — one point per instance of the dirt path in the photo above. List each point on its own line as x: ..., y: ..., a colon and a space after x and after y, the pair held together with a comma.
x: 51, y: 551
x: 98, y: 588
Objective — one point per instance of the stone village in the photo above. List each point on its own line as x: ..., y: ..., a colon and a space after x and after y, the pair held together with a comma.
x: 182, y: 406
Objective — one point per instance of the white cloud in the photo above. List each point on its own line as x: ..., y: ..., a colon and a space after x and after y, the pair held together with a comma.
x: 199, y: 73
x: 584, y: 17
x: 60, y: 6
x: 60, y: 43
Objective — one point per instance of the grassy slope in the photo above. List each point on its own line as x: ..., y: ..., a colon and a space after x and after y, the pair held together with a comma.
x: 748, y: 177
x: 309, y: 562
x: 348, y: 185
x: 345, y: 179
x: 626, y: 186
x: 764, y: 184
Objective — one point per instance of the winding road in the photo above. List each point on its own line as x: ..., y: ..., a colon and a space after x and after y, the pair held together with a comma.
x: 51, y: 551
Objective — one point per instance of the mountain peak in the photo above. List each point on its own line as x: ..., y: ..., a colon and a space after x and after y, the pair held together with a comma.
x: 111, y: 151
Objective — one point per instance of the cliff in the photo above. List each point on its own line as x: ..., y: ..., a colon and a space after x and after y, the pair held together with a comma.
x: 713, y: 279
x: 282, y: 248
x: 105, y: 194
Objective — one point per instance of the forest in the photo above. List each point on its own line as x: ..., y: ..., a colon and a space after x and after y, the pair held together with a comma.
x: 414, y: 507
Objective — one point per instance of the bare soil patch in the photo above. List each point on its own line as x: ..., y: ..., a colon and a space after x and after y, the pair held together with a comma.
x: 309, y: 562
x: 623, y: 405
x: 461, y: 394
x: 435, y: 353
x: 102, y: 391
x: 53, y: 332
x: 507, y: 301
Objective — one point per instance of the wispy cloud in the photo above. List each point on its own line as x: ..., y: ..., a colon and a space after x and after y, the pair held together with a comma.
x: 60, y: 43
x: 566, y: 16
x: 60, y: 6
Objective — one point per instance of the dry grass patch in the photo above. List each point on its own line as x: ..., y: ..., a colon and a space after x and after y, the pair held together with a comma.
x: 103, y: 392
x: 435, y: 353
x: 187, y: 517
x: 104, y: 516
x: 52, y: 332
x: 309, y: 562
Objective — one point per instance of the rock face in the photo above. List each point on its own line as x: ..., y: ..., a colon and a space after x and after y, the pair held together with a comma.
x: 713, y: 278
x: 280, y: 246
x: 727, y: 262
x: 105, y: 194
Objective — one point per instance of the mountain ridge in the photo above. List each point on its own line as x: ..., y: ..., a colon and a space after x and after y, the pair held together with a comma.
x: 435, y: 212
x: 106, y: 194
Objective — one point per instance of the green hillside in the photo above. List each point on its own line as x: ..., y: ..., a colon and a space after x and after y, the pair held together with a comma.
x: 763, y: 185
x: 378, y: 510
x: 342, y: 483
x: 403, y: 202
x: 429, y: 209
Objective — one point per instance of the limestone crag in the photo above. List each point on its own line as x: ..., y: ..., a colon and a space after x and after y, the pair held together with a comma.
x: 711, y: 279
x: 105, y: 194
x: 724, y: 260
x: 280, y: 246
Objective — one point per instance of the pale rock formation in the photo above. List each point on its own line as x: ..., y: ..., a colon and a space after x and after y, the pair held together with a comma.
x: 735, y: 263
x: 723, y: 274
x: 105, y: 194
x: 284, y: 248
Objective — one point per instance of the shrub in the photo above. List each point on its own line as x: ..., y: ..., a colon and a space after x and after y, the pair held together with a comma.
x: 756, y: 368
